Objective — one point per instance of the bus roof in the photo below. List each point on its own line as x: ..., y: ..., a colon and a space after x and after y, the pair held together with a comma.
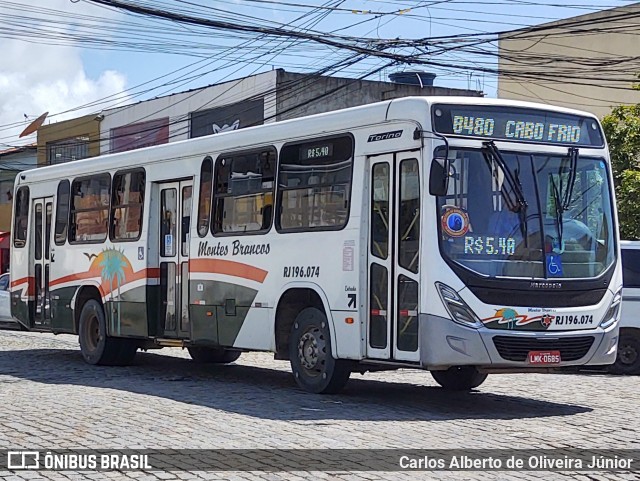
x: 316, y: 125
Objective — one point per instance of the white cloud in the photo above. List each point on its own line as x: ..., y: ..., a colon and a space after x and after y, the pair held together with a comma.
x: 36, y: 78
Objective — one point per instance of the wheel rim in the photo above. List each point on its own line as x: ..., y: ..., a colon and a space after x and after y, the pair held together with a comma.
x: 312, y: 351
x: 627, y: 354
x: 93, y: 332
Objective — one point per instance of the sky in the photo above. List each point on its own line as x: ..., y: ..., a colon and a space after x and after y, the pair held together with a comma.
x: 64, y: 57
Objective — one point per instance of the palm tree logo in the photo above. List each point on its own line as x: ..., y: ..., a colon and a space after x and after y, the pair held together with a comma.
x: 508, y: 315
x: 113, y: 263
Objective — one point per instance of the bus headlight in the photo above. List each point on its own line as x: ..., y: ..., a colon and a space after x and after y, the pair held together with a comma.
x: 614, y: 310
x: 458, y: 309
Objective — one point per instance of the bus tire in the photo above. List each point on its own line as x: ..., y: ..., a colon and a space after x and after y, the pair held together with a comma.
x: 312, y: 363
x: 459, y: 378
x: 212, y: 355
x: 95, y: 346
x: 628, y: 357
x: 127, y: 351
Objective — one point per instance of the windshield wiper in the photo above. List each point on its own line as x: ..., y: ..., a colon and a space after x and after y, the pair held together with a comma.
x: 513, y: 181
x: 571, y: 180
x: 559, y: 208
x: 562, y: 196
x: 510, y: 178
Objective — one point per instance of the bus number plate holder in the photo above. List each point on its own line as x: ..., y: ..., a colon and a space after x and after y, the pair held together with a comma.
x: 544, y: 357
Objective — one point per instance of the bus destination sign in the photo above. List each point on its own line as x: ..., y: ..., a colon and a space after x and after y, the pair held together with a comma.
x: 517, y: 124
x: 316, y: 151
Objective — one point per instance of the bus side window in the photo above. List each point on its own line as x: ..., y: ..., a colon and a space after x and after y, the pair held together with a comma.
x: 127, y: 204
x: 21, y: 217
x: 243, y: 191
x: 204, y: 199
x: 631, y: 268
x: 314, y: 184
x: 62, y: 212
x: 90, y: 208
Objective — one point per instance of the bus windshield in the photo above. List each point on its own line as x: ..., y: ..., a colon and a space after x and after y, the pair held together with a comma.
x: 527, y: 215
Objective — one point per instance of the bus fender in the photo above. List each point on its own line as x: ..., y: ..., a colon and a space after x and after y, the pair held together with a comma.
x: 74, y: 298
x: 325, y: 303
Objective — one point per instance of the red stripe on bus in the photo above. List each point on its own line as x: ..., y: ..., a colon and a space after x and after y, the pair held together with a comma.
x: 20, y: 281
x: 29, y: 281
x: 230, y: 268
x: 151, y: 273
x: 72, y: 277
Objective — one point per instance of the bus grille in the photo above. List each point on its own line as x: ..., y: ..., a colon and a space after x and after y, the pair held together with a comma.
x: 517, y: 348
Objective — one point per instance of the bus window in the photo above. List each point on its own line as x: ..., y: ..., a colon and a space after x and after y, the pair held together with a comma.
x: 409, y: 220
x: 21, y: 217
x: 380, y: 211
x: 127, y: 203
x: 62, y: 212
x: 314, y: 184
x: 204, y: 202
x: 244, y: 186
x: 631, y: 268
x: 90, y: 208
x: 185, y: 225
x: 169, y: 209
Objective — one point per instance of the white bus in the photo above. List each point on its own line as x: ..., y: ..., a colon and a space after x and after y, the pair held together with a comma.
x: 628, y: 360
x: 463, y: 236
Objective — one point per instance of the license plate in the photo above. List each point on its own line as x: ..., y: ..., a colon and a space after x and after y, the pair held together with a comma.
x: 544, y: 357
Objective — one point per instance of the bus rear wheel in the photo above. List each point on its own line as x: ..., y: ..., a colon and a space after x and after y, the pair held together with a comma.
x: 95, y: 346
x: 314, y: 368
x: 459, y: 378
x: 212, y: 355
x: 628, y: 357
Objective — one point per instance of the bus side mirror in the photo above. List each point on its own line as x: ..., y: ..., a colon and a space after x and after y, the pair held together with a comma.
x: 439, y: 176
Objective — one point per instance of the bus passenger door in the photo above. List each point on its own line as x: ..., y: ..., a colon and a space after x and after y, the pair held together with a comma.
x: 394, y: 242
x: 174, y: 226
x: 41, y: 258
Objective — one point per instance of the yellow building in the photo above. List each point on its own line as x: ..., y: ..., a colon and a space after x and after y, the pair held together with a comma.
x: 69, y: 140
x: 589, y: 62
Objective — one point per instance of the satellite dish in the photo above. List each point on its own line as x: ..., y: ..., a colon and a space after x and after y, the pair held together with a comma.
x: 33, y: 126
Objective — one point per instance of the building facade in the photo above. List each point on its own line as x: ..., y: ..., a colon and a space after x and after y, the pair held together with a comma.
x: 255, y: 100
x: 69, y: 140
x: 12, y: 161
x: 589, y: 62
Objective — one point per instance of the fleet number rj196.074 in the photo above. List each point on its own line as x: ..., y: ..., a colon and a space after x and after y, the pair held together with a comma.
x: 299, y: 271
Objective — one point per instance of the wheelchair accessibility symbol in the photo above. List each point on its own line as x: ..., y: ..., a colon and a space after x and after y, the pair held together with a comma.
x: 554, y: 265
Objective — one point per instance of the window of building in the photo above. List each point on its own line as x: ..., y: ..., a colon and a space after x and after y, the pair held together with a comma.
x: 21, y: 217
x: 67, y: 150
x: 90, y: 208
x: 243, y: 198
x: 314, y: 184
x: 127, y: 204
x: 62, y: 212
x: 204, y: 202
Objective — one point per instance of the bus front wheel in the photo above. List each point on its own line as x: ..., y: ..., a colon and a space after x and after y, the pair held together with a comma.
x: 628, y: 357
x: 459, y: 378
x: 96, y: 347
x: 312, y: 363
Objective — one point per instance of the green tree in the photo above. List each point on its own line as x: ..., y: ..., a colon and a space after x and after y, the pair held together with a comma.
x: 622, y: 128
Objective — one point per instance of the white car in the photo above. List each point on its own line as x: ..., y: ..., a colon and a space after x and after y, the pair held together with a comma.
x: 628, y: 360
x: 5, y: 299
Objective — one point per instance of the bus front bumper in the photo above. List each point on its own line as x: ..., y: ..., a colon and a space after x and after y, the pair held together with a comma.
x: 445, y: 343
